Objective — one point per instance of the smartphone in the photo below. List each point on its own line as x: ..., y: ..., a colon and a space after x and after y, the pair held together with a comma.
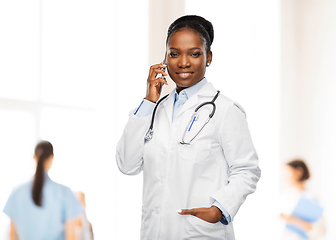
x: 160, y: 75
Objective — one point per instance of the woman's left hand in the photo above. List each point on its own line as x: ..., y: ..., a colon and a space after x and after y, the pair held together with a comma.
x: 211, y: 214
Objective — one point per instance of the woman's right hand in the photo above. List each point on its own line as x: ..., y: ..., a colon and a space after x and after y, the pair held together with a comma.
x: 154, y: 84
x: 297, y: 221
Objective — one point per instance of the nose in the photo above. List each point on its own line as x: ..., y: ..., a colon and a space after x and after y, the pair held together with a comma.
x: 184, y: 62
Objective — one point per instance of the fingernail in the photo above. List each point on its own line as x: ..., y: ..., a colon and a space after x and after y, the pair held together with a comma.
x: 179, y: 211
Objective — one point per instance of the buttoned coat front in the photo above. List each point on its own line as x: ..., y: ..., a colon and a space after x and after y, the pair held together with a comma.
x: 220, y: 164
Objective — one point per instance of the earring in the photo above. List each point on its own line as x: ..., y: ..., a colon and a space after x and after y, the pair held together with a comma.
x: 208, y: 64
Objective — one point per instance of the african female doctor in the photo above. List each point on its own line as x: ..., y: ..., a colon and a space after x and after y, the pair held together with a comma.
x: 198, y: 167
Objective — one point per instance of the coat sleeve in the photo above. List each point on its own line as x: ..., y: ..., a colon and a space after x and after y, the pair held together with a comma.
x: 241, y: 158
x: 129, y: 153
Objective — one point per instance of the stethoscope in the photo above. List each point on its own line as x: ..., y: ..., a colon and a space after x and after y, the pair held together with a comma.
x: 150, y: 132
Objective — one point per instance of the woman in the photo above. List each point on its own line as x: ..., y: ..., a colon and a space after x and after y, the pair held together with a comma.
x: 205, y: 172
x: 41, y: 208
x: 297, y: 175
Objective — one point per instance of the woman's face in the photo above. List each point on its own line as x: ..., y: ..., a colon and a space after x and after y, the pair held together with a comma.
x: 292, y: 174
x: 186, y: 58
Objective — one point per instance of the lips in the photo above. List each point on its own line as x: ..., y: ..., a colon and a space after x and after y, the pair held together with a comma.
x: 185, y: 74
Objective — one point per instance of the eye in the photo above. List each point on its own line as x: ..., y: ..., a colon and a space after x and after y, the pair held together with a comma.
x: 173, y: 55
x: 197, y: 54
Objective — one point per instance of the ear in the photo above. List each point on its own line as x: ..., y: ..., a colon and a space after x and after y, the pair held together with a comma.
x: 35, y: 158
x: 209, y: 58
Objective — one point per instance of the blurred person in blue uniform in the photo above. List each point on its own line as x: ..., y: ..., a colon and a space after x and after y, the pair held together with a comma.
x: 42, y: 208
x: 300, y: 210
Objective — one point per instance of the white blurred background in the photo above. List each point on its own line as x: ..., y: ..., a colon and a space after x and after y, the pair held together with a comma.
x: 71, y: 70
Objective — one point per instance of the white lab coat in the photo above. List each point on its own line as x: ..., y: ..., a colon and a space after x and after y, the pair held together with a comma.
x: 220, y: 164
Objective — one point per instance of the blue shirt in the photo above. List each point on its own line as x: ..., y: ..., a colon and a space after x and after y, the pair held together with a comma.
x: 46, y: 222
x: 146, y: 108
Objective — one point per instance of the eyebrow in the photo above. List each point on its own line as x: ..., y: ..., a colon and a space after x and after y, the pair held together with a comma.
x: 194, y: 48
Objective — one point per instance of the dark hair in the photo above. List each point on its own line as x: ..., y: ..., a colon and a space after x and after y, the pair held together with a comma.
x: 199, y: 24
x: 298, y: 163
x: 43, y: 151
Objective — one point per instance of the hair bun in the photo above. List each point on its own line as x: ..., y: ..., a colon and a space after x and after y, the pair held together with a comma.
x: 200, y: 24
x: 204, y: 23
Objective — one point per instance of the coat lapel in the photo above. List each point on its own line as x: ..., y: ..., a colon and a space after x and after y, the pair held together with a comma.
x: 168, y: 106
x: 207, y: 91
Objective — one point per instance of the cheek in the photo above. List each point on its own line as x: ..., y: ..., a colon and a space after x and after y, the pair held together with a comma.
x: 171, y: 64
x: 169, y: 71
x: 287, y: 174
x: 200, y: 63
x: 200, y: 66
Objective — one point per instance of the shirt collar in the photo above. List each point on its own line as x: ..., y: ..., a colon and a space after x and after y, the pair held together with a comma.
x: 191, y: 90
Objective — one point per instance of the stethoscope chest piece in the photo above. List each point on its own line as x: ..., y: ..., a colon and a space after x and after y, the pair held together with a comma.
x: 150, y: 132
x: 149, y: 135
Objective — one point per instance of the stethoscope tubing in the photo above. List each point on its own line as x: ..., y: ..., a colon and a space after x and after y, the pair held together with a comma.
x: 212, y: 103
x: 150, y: 132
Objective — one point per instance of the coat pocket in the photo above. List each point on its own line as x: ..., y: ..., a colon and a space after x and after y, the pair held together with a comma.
x: 199, y: 149
x: 196, y: 228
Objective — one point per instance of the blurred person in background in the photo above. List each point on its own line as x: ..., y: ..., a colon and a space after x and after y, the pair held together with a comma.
x: 301, y: 211
x: 84, y: 228
x: 41, y: 208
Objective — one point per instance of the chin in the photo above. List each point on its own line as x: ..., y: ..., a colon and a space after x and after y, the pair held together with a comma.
x: 183, y: 84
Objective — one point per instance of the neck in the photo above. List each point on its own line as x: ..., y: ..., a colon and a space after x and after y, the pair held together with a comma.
x: 179, y: 89
x: 300, y: 186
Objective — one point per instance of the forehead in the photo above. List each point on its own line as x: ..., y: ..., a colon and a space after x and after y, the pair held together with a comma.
x: 185, y: 38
